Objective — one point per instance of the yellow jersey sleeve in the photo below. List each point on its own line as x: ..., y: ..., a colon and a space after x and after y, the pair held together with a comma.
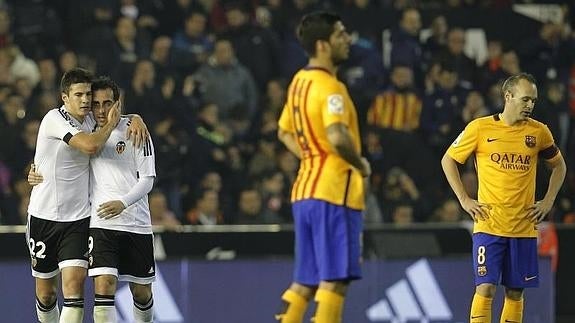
x: 336, y: 108
x: 465, y: 144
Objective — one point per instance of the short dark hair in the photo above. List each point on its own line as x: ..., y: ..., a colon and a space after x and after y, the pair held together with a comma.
x: 103, y: 83
x: 512, y: 81
x: 75, y: 76
x: 316, y: 26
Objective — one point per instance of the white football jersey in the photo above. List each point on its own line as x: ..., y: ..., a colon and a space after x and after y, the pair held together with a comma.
x: 113, y: 172
x: 63, y: 194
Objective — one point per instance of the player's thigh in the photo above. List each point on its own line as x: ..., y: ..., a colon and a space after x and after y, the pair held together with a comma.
x: 305, y: 268
x: 73, y: 247
x: 43, y: 238
x: 337, y: 242
x: 520, y: 268
x: 488, y: 256
x: 136, y: 261
x: 104, y: 247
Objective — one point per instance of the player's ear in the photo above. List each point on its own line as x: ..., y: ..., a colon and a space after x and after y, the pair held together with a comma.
x: 508, y: 95
x: 64, y: 97
x: 321, y: 46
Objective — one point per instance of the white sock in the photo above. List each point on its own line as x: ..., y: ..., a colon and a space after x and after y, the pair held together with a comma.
x: 47, y: 314
x: 144, y: 313
x: 72, y: 311
x: 104, y: 310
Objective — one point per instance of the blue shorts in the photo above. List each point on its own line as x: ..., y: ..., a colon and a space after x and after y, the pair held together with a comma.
x: 327, y: 242
x: 509, y: 261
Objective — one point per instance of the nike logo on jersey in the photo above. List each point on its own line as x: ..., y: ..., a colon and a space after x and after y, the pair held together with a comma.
x: 492, y: 139
x: 530, y: 278
x: 151, y: 271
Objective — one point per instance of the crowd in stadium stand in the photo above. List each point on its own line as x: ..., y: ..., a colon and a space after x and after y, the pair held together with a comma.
x: 209, y: 77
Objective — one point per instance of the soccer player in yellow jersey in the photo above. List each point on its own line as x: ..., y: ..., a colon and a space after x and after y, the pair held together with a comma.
x: 507, y: 148
x: 319, y: 124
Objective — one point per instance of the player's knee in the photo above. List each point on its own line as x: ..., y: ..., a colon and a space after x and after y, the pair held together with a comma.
x: 514, y: 294
x: 105, y: 285
x: 73, y: 284
x: 47, y: 297
x: 141, y: 293
x: 336, y: 286
x: 486, y: 290
x: 305, y: 291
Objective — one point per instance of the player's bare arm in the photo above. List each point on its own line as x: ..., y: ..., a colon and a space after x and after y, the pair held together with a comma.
x: 339, y: 137
x: 476, y: 210
x: 539, y: 210
x: 90, y: 143
x: 289, y: 140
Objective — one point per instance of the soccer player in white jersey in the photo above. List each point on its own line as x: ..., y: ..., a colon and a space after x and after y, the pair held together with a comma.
x: 59, y: 209
x: 121, y: 240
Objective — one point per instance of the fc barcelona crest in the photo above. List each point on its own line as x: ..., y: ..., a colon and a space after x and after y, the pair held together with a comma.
x: 530, y: 141
x: 120, y: 147
x: 481, y: 271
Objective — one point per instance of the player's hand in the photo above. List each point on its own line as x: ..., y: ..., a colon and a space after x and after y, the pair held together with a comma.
x: 110, y: 209
x: 366, y: 167
x: 137, y: 131
x: 477, y: 211
x: 34, y: 178
x: 538, y: 211
x: 114, y: 113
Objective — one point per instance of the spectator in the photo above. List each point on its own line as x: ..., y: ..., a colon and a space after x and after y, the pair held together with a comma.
x: 474, y: 107
x: 193, y: 40
x: 399, y: 188
x: 449, y: 212
x: 143, y: 96
x: 490, y: 72
x: 453, y: 54
x: 128, y: 46
x: 14, y: 65
x: 205, y: 208
x: 441, y: 115
x: 263, y: 159
x: 402, y: 214
x: 256, y: 48
x: 272, y: 188
x: 209, y: 143
x: 405, y: 46
x: 161, y: 214
x: 364, y: 20
x: 437, y: 41
x: 227, y: 83
x: 251, y: 211
x: 395, y: 112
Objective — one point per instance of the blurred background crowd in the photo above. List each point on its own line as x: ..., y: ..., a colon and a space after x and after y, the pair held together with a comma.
x: 210, y: 77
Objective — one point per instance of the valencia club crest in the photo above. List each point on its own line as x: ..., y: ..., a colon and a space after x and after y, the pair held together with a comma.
x: 120, y: 147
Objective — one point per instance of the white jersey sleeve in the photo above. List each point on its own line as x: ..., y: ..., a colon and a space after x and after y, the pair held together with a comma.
x: 60, y: 125
x: 146, y: 159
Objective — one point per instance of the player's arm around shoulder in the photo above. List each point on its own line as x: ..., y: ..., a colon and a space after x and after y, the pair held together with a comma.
x: 137, y: 131
x: 90, y: 143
